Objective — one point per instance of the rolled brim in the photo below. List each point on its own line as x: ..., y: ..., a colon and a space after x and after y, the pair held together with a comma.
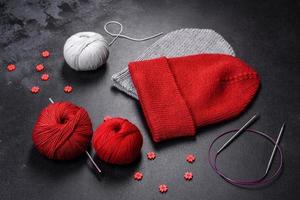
x: 167, y: 114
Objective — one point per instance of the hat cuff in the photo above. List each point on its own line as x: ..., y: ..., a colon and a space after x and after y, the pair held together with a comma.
x: 166, y: 112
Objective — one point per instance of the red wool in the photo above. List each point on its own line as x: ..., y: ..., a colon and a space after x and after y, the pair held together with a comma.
x: 63, y: 131
x: 117, y: 141
x: 179, y: 94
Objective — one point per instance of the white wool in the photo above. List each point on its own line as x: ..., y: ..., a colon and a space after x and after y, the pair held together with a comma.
x: 86, y: 51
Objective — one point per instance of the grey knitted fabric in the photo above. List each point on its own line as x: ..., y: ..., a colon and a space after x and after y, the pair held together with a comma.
x: 177, y: 43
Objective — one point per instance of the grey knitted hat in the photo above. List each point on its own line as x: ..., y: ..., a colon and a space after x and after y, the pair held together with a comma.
x: 177, y: 43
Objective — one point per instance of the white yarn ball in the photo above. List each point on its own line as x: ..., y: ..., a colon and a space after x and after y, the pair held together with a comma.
x: 85, y: 51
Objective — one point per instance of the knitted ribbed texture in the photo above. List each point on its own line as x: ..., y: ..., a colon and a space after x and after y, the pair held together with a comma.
x: 179, y: 94
x: 177, y: 43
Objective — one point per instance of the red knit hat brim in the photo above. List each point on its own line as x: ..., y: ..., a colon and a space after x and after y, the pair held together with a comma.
x: 165, y: 110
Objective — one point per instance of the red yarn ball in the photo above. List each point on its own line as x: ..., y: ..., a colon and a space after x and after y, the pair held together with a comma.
x: 117, y: 141
x: 63, y: 131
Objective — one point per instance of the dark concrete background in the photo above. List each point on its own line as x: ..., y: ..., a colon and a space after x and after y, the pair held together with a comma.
x: 263, y: 33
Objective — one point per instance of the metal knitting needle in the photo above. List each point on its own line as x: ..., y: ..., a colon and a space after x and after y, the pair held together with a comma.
x: 86, y: 152
x: 248, y: 123
x: 274, y: 149
x: 93, y: 162
x: 50, y: 99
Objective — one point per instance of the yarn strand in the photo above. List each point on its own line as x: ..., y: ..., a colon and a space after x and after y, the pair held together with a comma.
x: 120, y: 35
x: 87, y: 153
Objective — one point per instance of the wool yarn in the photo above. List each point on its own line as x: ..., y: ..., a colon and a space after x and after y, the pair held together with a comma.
x: 180, y: 42
x: 62, y: 131
x: 117, y: 141
x: 86, y: 51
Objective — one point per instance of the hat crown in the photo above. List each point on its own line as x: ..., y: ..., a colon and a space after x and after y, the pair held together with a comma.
x: 216, y: 86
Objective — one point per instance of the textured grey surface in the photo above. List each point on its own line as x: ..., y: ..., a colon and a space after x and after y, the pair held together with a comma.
x: 263, y: 33
x: 176, y: 43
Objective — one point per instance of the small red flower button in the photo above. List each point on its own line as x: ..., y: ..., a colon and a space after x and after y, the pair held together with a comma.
x: 39, y: 67
x: 11, y: 67
x: 35, y: 89
x: 163, y: 188
x: 151, y: 155
x: 138, y: 176
x: 68, y: 89
x: 45, y: 54
x: 190, y: 158
x: 45, y: 77
x: 188, y: 176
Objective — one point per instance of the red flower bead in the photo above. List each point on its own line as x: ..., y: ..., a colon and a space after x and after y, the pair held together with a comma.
x: 39, y: 67
x: 45, y: 54
x: 190, y: 158
x: 138, y: 176
x: 151, y: 155
x: 45, y: 77
x: 35, y: 89
x: 68, y: 89
x: 163, y: 188
x: 188, y: 176
x: 11, y: 67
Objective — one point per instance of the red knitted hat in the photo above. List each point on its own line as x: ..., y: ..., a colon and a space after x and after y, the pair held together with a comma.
x: 179, y: 94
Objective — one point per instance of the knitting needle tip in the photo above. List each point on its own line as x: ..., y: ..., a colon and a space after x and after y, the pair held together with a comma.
x: 245, y: 126
x: 274, y: 149
x: 50, y: 99
x: 283, y: 125
x: 93, y: 162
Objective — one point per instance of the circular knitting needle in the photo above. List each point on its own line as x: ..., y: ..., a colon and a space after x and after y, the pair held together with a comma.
x: 274, y: 149
x: 248, y: 123
x: 87, y: 153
